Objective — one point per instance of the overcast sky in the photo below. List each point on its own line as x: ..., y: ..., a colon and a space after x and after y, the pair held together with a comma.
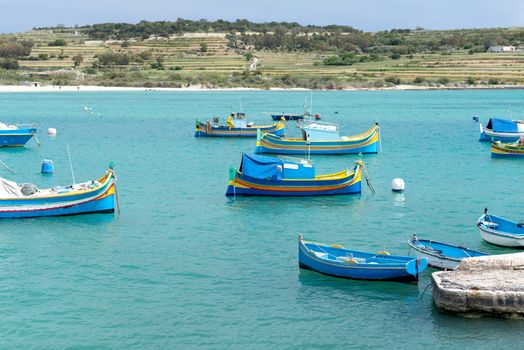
x: 369, y: 15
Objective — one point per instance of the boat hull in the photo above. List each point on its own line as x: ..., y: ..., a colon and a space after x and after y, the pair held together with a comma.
x: 16, y: 138
x: 243, y: 185
x: 202, y: 130
x: 368, y: 142
x: 506, y: 150
x: 487, y: 135
x: 100, y: 200
x: 287, y: 116
x: 402, y: 272
x: 500, y: 237
x: 437, y: 262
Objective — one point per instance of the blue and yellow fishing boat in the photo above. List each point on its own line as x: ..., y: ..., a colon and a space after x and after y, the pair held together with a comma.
x: 335, y: 260
x: 97, y: 196
x: 320, y: 138
x: 13, y: 135
x: 505, y: 150
x: 266, y: 176
x: 236, y: 127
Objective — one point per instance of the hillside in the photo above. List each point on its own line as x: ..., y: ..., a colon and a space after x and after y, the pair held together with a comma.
x: 296, y: 57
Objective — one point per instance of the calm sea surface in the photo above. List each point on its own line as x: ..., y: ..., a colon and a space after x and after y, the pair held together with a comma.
x: 183, y: 266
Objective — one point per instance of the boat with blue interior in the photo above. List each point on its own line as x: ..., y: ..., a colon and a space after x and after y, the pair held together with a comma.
x: 294, y: 116
x: 16, y: 135
x: 507, y: 150
x: 236, y: 126
x: 26, y: 200
x: 501, y: 231
x: 267, y: 176
x: 335, y: 260
x: 440, y: 255
x: 504, y: 130
x: 320, y: 138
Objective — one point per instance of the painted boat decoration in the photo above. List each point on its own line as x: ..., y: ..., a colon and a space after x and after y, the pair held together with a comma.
x: 503, y: 130
x: 320, y: 138
x: 335, y: 260
x: 236, y: 127
x: 267, y: 176
x: 441, y: 255
x: 505, y: 150
x: 16, y: 135
x: 501, y: 231
x: 96, y: 196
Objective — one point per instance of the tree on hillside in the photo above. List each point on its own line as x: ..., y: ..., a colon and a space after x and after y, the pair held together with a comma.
x: 77, y: 60
x: 57, y: 42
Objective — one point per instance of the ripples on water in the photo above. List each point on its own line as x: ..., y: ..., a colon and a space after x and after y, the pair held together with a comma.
x: 184, y: 266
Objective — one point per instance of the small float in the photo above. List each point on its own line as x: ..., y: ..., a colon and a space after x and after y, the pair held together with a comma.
x: 335, y: 260
x: 507, y: 150
x: 26, y: 200
x: 503, y: 130
x: 16, y: 135
x: 320, y: 138
x: 237, y: 126
x: 267, y: 176
x: 501, y: 231
x: 441, y: 255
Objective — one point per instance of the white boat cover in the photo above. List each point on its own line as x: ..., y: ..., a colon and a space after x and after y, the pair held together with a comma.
x: 9, y: 189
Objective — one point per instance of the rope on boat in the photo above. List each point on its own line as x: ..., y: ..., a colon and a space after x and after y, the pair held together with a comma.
x: 366, y: 176
x: 8, y: 168
x: 424, y: 291
x: 36, y: 139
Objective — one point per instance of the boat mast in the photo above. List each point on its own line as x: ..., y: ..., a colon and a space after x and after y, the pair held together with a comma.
x: 71, y: 164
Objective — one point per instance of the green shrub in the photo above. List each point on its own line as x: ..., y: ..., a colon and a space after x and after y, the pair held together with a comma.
x: 43, y: 57
x: 419, y: 80
x: 443, y: 81
x: 395, y: 56
x: 57, y: 42
x: 393, y: 80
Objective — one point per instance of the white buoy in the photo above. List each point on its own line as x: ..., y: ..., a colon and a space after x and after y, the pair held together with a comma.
x: 51, y: 132
x: 397, y: 185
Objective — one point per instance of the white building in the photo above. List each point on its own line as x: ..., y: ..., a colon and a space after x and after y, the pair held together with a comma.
x: 502, y: 49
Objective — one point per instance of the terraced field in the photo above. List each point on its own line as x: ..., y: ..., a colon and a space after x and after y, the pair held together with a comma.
x: 206, y: 58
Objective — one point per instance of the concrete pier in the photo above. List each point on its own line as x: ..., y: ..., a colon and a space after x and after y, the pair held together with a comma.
x: 488, y: 285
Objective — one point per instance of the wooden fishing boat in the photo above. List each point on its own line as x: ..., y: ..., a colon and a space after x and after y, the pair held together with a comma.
x: 16, y: 135
x: 266, y: 176
x: 236, y: 127
x: 320, y: 138
x: 506, y: 150
x: 288, y: 116
x: 501, y: 231
x: 335, y: 260
x: 503, y: 130
x: 97, y: 196
x: 441, y: 255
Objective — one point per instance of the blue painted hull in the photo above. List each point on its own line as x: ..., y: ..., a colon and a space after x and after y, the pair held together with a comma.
x: 240, y: 191
x: 365, y: 266
x: 16, y: 138
x: 369, y: 149
x: 104, y: 205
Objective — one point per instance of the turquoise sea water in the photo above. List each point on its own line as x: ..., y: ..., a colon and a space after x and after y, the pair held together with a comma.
x: 183, y: 266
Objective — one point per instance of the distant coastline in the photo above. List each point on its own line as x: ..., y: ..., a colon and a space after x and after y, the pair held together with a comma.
x: 88, y: 88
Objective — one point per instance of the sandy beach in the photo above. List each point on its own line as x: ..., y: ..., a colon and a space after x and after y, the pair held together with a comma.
x: 55, y: 88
